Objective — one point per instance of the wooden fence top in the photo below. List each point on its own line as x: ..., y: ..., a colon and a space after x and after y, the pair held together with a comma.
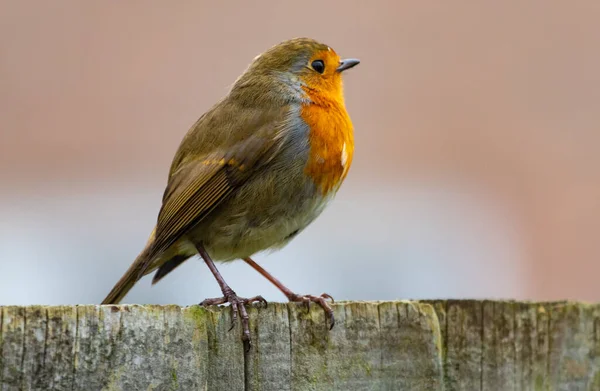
x: 398, y: 345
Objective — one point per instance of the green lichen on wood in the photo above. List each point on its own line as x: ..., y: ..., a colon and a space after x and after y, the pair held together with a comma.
x: 175, y: 384
x: 199, y: 317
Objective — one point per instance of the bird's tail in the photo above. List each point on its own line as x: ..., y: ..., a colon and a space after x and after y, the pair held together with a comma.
x: 131, y: 276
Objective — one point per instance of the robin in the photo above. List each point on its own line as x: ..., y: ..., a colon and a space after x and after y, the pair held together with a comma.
x: 254, y: 171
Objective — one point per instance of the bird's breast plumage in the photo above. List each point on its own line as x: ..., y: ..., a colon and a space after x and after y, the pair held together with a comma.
x: 275, y: 205
x: 331, y: 143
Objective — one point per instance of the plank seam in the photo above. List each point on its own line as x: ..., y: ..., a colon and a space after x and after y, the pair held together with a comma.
x: 1, y: 346
x: 247, y: 355
x: 549, y: 350
x: 380, y: 336
x: 288, y: 307
x: 75, y: 348
x: 481, y: 352
x: 445, y: 340
x: 23, y: 351
x: 45, y: 340
x: 514, y: 344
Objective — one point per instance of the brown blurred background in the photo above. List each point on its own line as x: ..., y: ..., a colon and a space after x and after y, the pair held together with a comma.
x: 476, y: 173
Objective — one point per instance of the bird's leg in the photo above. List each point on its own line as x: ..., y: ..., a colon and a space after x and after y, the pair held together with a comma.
x: 321, y: 300
x: 229, y: 296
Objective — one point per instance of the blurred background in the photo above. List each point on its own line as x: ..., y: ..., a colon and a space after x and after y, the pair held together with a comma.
x: 476, y: 172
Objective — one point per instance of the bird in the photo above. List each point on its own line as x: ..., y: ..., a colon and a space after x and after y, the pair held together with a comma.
x: 254, y: 171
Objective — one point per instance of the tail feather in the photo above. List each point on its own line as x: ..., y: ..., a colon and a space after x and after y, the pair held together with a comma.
x: 169, y: 266
x: 124, y: 285
x: 131, y: 276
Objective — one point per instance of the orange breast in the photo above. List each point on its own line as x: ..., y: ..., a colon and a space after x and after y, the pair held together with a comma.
x: 331, y: 142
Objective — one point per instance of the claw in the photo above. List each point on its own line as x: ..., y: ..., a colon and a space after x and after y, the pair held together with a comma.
x: 238, y: 305
x: 321, y: 300
x: 247, y: 345
x: 256, y: 299
x: 234, y: 315
x: 245, y: 323
x: 328, y: 296
x: 217, y: 301
x: 331, y: 319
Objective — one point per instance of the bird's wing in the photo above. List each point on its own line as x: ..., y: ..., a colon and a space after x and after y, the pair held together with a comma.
x: 198, y: 186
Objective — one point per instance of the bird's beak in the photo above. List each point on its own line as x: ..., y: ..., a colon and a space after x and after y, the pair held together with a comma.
x: 347, y: 64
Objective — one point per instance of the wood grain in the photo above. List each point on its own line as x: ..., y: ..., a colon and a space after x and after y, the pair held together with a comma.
x: 398, y: 345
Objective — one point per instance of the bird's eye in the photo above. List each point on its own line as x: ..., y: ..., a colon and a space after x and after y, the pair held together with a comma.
x: 318, y: 66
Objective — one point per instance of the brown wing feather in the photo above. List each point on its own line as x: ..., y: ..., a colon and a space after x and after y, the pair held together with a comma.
x: 193, y: 203
x: 199, y: 186
x: 213, y: 160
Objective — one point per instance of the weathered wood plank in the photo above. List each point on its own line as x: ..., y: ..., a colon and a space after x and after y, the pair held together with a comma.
x: 464, y: 345
x: 574, y: 347
x: 59, y: 349
x: 268, y: 362
x: 186, y: 347
x: 13, y: 347
x: 406, y: 345
x: 354, y: 351
x: 531, y: 345
x: 36, y: 319
x: 225, y: 351
x: 309, y: 339
x: 96, y: 340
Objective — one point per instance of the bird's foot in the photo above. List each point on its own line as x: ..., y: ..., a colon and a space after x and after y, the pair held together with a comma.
x: 321, y: 300
x: 238, y: 306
